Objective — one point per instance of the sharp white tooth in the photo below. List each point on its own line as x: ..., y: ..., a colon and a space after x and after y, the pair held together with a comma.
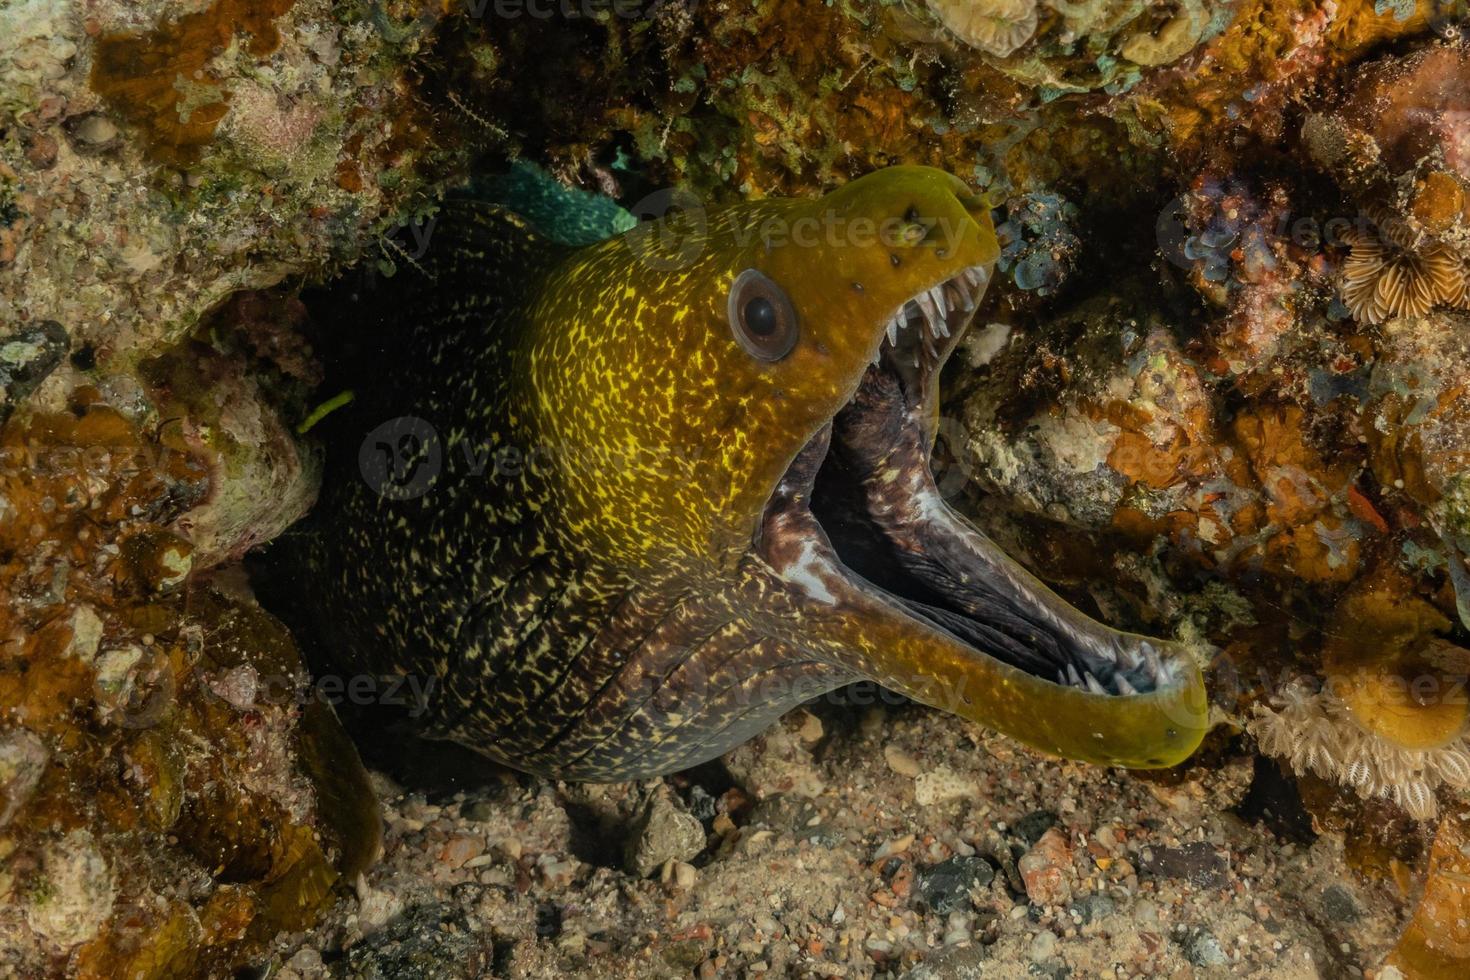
x: 893, y: 332
x: 1093, y: 685
x: 959, y: 296
x: 1123, y: 686
x: 1073, y: 677
x: 941, y: 329
x: 937, y: 294
x: 1129, y: 658
x: 976, y: 275
x: 926, y: 305
x: 1151, y: 657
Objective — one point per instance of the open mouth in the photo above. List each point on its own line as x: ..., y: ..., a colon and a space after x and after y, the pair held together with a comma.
x: 858, y: 519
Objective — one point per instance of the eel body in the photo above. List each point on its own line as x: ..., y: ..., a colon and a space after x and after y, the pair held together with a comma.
x: 616, y: 508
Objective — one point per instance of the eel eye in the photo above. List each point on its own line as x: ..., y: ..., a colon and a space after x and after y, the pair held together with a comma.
x: 761, y: 316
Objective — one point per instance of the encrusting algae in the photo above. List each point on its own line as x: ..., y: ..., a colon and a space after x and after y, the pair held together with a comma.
x: 172, y: 793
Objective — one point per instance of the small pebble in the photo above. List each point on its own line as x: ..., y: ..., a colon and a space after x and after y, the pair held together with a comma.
x: 95, y: 130
x: 1046, y: 869
x: 900, y: 761
x: 1203, y: 949
x: 459, y: 849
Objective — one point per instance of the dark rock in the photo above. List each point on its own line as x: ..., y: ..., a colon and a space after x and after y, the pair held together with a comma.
x: 1197, y: 863
x: 548, y: 921
x: 1275, y: 800
x: 1338, y: 905
x: 683, y: 954
x: 701, y: 804
x: 797, y: 817
x: 946, y: 886
x: 1090, y: 908
x: 665, y: 832
x: 484, y: 803
x: 27, y: 357
x: 428, y: 942
x: 963, y: 962
x: 477, y: 810
x: 1030, y: 827
x: 1202, y: 948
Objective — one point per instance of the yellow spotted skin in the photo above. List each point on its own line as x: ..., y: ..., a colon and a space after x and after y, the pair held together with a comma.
x: 684, y: 433
x: 578, y: 579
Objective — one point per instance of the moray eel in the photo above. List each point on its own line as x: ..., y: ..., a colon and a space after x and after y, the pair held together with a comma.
x: 616, y: 508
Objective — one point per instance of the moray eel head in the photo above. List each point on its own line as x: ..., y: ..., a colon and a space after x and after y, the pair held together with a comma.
x: 791, y: 351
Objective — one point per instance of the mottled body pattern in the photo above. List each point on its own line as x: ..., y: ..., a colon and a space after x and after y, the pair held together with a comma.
x: 526, y: 613
x: 598, y: 538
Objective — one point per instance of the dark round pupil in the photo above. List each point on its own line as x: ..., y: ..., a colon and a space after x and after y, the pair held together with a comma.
x: 760, y: 317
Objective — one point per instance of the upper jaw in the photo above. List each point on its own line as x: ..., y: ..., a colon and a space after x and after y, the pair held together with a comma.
x: 919, y: 335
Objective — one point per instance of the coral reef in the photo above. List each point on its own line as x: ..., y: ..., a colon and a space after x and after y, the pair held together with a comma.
x: 1060, y: 47
x: 1318, y: 732
x: 997, y: 28
x: 1382, y: 280
x: 1263, y: 440
x: 1395, y: 141
x: 155, y: 162
x: 1244, y: 422
x: 1040, y: 249
x: 173, y: 793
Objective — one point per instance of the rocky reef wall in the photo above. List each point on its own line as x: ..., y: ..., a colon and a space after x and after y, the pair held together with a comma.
x: 1220, y: 390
